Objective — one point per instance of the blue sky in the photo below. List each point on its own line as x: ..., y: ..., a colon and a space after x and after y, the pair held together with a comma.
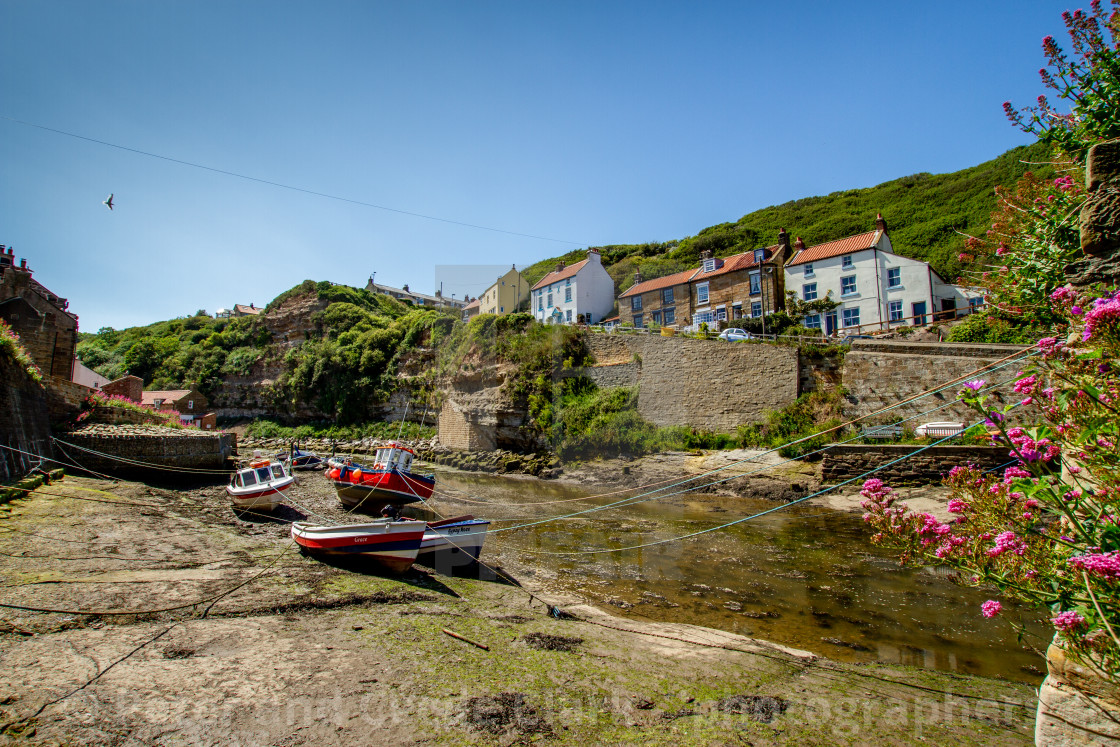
x: 578, y: 123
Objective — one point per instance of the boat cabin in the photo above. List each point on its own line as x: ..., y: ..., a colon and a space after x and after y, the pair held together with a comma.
x: 393, y: 457
x: 258, y: 474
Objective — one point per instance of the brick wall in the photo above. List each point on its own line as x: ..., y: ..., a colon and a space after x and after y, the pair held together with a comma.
x: 845, y: 462
x: 457, y: 432
x: 65, y: 398
x: 879, y: 374
x: 128, y: 386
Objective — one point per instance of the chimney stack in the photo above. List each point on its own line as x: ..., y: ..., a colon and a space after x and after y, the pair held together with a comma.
x: 559, y: 267
x: 637, y: 277
x: 880, y: 224
x: 405, y: 288
x: 783, y: 239
x: 706, y: 254
x: 799, y: 244
x: 593, y: 255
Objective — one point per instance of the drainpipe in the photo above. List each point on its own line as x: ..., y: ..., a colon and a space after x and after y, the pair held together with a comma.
x: 929, y: 277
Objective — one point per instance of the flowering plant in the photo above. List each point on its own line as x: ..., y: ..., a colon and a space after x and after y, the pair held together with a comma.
x: 11, y: 345
x: 1045, y: 530
x: 170, y: 418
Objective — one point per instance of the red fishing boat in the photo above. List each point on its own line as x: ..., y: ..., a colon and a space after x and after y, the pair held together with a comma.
x: 389, y: 480
x: 393, y: 544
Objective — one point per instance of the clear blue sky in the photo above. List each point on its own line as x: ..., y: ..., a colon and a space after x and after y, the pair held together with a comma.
x: 585, y: 122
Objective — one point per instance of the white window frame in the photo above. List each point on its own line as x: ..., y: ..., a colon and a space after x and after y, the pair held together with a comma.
x: 709, y: 265
x: 568, y: 315
x: 755, y: 279
x: 897, y: 277
x: 894, y: 311
x: 756, y: 309
x: 568, y: 294
x: 701, y: 293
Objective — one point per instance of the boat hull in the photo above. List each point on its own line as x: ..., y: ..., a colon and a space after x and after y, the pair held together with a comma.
x: 453, y: 544
x: 393, y: 545
x: 266, y: 497
x: 377, y: 488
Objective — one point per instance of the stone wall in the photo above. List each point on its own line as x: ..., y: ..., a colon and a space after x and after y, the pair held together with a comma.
x: 706, y: 384
x: 851, y: 461
x: 46, y: 329
x: 65, y: 398
x: 614, y: 375
x: 478, y: 414
x: 24, y: 421
x: 879, y: 374
x: 102, y: 448
x: 128, y: 386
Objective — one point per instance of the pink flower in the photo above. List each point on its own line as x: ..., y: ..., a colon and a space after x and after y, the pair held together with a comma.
x: 975, y: 385
x: 1007, y: 542
x: 991, y: 608
x: 1105, y: 565
x: 957, y: 506
x: 1067, y: 621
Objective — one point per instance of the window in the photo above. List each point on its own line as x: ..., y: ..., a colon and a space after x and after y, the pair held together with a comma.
x: 756, y: 283
x: 894, y: 277
x: 638, y: 320
x: 250, y: 478
x: 736, y: 311
x: 568, y: 294
x: 702, y: 293
x: 848, y: 285
x: 703, y: 316
x: 975, y: 302
x: 721, y: 315
x: 636, y: 303
x: 568, y: 281
x: 568, y: 315
x: 190, y: 404
x: 540, y: 302
x: 759, y: 255
x: 656, y: 316
x: 895, y: 309
x: 501, y: 309
x: 851, y: 317
x: 709, y: 265
x: 809, y: 270
x: 846, y: 263
x: 813, y: 321
x: 809, y: 291
x: 550, y: 299
x: 667, y: 296
x: 670, y: 316
x: 756, y: 308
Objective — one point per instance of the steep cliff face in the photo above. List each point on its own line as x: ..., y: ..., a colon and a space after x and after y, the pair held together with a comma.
x: 479, y: 414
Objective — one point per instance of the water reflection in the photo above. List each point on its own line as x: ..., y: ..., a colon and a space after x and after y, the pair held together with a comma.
x: 804, y: 577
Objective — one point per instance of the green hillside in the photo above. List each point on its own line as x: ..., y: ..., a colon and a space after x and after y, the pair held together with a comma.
x: 925, y: 213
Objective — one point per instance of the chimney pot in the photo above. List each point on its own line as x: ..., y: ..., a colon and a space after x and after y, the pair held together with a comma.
x: 706, y: 254
x: 799, y: 244
x: 880, y: 223
x: 559, y: 266
x: 405, y: 288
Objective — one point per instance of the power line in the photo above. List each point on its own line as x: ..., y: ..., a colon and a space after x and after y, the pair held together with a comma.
x: 293, y: 188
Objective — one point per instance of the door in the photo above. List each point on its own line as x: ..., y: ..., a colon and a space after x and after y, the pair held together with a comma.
x: 919, y: 313
x: 948, y: 309
x: 830, y: 323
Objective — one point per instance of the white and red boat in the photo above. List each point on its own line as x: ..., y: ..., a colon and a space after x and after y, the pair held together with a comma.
x: 261, y: 485
x: 389, y: 480
x: 393, y: 544
x: 453, y: 543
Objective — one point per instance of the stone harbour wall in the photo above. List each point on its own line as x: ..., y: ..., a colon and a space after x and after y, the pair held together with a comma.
x: 25, y: 430
x: 842, y: 463
x: 104, y: 448
x: 706, y: 384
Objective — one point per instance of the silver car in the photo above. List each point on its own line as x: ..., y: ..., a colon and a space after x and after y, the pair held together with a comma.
x: 734, y: 334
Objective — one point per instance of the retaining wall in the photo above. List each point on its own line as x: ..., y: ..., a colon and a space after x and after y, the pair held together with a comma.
x: 845, y: 462
x: 180, y: 449
x: 24, y: 421
x: 880, y: 374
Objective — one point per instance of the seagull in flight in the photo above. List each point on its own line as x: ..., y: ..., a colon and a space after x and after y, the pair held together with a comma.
x: 109, y: 202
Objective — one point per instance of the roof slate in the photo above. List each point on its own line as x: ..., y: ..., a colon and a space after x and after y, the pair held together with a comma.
x: 830, y: 249
x: 564, y: 274
x: 169, y: 395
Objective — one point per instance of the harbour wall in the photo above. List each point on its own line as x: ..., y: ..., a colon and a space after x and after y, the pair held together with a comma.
x: 842, y: 463
x: 106, y: 448
x: 25, y: 428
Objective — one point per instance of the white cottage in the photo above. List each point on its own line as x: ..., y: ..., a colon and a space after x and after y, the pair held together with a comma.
x: 876, y: 288
x: 570, y: 294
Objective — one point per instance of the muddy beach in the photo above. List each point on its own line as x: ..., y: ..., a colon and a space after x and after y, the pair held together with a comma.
x: 177, y: 622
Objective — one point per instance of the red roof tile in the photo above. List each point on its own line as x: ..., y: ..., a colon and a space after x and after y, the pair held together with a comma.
x: 733, y: 263
x: 836, y: 248
x: 567, y: 272
x: 677, y: 278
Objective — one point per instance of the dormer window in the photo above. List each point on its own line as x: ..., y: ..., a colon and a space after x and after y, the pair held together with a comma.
x: 759, y: 255
x: 846, y: 263
x: 709, y: 265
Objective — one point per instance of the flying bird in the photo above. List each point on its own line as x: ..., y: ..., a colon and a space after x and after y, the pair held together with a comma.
x: 108, y: 203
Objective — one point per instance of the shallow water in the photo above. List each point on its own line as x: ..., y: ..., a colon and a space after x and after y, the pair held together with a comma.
x: 804, y: 576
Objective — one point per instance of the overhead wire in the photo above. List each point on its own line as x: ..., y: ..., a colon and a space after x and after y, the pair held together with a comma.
x: 281, y: 185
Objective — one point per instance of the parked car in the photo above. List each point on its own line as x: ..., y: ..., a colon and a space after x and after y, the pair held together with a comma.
x: 940, y: 429
x: 733, y: 334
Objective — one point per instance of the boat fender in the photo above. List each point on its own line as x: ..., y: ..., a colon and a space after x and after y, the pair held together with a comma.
x: 357, y: 476
x: 258, y: 463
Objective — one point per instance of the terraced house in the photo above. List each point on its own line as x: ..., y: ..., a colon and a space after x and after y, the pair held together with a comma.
x: 876, y: 288
x: 661, y: 302
x: 743, y: 285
